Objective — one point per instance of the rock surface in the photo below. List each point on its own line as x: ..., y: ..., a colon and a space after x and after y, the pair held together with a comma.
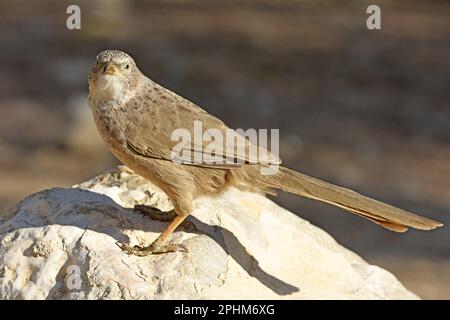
x: 61, y: 244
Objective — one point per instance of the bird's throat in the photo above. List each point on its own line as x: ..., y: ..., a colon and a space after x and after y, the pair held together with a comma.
x: 108, y: 89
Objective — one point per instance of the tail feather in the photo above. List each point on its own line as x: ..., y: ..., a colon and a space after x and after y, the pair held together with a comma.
x: 390, y: 217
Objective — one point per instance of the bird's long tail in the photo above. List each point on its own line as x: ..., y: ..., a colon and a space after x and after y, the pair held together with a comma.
x: 381, y: 213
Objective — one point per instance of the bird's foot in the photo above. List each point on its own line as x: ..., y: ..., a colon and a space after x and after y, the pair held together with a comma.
x: 156, y: 247
x: 154, y: 213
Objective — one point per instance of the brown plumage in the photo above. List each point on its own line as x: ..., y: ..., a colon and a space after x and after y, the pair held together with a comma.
x: 136, y: 118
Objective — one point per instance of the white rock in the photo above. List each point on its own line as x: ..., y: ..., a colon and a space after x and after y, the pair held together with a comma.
x: 61, y: 244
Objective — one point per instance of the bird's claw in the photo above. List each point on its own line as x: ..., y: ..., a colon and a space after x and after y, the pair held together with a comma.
x: 154, y: 213
x: 154, y: 248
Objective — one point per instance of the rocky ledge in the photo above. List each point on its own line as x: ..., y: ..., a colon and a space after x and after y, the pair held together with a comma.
x: 61, y: 244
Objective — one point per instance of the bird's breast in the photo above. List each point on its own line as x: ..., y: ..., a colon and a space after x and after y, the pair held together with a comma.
x: 110, y: 125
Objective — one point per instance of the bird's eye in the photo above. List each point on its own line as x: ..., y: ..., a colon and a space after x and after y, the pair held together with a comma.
x: 127, y: 66
x: 97, y: 63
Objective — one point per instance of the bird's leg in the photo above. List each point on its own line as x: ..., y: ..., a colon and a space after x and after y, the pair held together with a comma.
x: 155, y: 213
x: 161, y: 244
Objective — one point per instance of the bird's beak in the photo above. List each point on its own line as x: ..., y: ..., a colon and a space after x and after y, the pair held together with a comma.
x: 109, y: 68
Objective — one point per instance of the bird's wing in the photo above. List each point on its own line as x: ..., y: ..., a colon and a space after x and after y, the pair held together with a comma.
x: 172, y: 128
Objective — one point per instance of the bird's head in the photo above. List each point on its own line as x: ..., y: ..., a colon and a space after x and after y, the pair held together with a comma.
x: 114, y: 76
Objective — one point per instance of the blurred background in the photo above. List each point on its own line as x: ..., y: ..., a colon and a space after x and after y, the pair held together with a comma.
x: 369, y: 110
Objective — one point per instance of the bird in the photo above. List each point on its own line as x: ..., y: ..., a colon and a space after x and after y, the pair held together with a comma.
x: 136, y: 118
